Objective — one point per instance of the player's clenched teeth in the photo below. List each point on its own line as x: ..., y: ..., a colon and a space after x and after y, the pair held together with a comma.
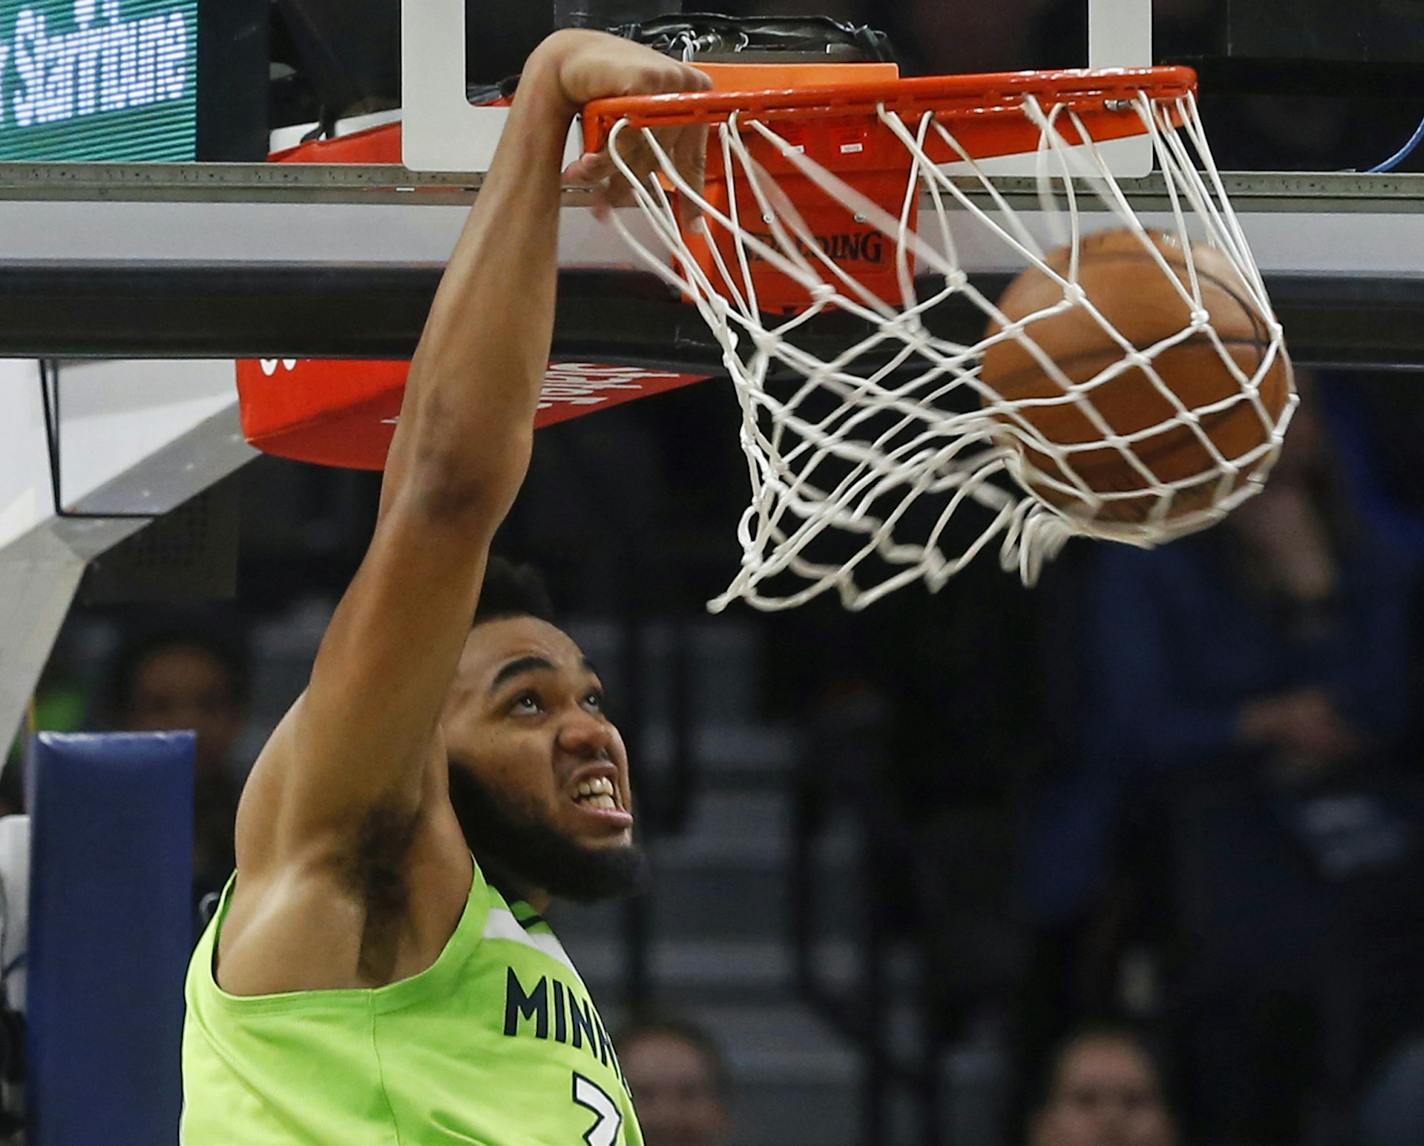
x: 597, y: 793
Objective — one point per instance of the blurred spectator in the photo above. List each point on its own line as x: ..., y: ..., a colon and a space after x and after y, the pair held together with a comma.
x: 679, y: 1083
x: 1239, y: 799
x: 190, y: 672
x: 1104, y: 1089
x: 1280, y: 637
x: 1392, y: 1106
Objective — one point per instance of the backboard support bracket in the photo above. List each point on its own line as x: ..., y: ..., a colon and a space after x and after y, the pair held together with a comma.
x: 440, y: 129
x: 443, y: 131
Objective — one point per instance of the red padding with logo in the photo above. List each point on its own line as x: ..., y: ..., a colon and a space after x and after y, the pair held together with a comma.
x: 344, y: 413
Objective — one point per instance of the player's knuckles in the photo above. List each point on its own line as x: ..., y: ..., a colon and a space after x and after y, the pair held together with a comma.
x: 598, y: 166
x: 670, y: 77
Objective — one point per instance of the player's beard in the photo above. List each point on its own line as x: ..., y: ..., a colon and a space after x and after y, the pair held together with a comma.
x: 517, y: 851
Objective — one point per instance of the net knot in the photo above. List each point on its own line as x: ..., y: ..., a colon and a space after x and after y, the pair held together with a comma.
x: 1140, y: 359
x: 765, y: 341
x: 908, y: 327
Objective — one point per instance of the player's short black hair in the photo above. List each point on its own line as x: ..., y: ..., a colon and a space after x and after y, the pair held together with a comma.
x: 513, y: 590
x: 1101, y: 1030
x: 218, y: 636
x: 649, y: 1024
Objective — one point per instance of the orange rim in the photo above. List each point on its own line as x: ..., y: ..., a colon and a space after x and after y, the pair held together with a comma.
x: 993, y: 95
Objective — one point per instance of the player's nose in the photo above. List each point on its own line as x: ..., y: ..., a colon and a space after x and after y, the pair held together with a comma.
x: 585, y: 735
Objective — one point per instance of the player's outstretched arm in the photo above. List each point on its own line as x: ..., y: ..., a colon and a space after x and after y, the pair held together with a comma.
x: 360, y: 741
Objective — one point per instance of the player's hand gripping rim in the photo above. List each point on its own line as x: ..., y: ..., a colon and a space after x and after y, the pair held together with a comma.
x: 593, y: 66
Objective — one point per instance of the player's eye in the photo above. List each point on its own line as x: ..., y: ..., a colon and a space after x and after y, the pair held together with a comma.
x: 526, y: 703
x: 594, y: 699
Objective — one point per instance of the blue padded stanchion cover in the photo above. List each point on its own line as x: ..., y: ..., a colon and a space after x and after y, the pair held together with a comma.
x: 111, y: 928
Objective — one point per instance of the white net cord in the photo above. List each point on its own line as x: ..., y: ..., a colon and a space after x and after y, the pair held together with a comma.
x: 891, y: 460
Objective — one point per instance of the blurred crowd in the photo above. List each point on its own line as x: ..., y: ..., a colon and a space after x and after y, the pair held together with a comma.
x: 1180, y: 788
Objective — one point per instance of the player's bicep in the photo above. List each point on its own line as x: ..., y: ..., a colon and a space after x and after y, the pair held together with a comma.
x: 360, y: 738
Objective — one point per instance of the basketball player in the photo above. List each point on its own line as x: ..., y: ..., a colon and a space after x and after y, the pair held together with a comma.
x: 364, y: 980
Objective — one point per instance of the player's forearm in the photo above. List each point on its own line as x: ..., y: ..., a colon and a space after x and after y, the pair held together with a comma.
x: 467, y: 418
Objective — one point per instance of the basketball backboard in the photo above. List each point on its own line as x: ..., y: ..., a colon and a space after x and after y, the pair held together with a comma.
x: 444, y: 132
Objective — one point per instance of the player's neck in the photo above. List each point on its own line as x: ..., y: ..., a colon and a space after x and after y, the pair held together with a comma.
x: 514, y: 889
x: 538, y: 900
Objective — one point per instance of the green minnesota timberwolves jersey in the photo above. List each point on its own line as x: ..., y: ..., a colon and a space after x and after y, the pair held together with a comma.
x: 496, y: 1044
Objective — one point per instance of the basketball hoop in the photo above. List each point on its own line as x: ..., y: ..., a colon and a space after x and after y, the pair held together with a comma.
x: 862, y: 459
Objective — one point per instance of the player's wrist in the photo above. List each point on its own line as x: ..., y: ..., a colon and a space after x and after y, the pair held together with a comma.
x: 543, y: 74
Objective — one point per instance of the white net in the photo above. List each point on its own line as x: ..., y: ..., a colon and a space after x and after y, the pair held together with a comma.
x: 891, y: 457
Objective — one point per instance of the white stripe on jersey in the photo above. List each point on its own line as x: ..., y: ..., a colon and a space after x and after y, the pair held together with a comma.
x: 501, y: 924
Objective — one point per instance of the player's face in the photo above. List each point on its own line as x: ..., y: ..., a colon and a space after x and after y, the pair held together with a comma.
x: 530, y: 744
x: 1105, y: 1094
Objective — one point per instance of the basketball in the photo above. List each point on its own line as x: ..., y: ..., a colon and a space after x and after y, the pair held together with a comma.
x: 1129, y: 288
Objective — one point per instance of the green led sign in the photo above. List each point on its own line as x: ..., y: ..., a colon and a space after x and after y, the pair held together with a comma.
x: 97, y: 80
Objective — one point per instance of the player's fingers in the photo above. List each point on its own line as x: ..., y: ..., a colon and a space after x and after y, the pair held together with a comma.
x: 598, y: 201
x: 641, y: 166
x: 691, y: 160
x: 695, y: 80
x: 669, y: 75
x: 636, y: 151
x: 666, y: 75
x: 620, y: 194
x: 591, y: 167
x: 643, y: 156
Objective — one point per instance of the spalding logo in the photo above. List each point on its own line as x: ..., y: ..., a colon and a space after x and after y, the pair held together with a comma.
x: 851, y: 246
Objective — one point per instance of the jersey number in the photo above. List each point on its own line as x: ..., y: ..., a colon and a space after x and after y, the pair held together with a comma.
x: 591, y: 1096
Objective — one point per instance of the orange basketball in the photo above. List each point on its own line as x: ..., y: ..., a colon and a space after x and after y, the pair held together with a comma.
x: 1120, y: 277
